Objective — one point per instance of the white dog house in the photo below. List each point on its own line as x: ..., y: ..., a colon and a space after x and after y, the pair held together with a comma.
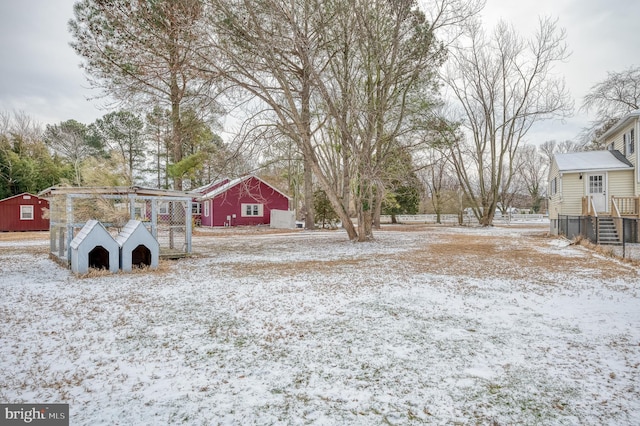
x: 137, y: 247
x: 94, y: 247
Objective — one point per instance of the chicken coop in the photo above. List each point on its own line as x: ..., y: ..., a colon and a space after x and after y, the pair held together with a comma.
x: 165, y: 214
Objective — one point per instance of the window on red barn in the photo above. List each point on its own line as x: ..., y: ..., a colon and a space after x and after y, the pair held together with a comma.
x: 26, y: 212
x: 249, y: 210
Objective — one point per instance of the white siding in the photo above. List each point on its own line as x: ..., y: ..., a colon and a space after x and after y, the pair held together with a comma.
x: 572, y: 193
x: 621, y: 184
x: 554, y: 199
x: 614, y: 138
x: 617, y: 139
x: 618, y: 142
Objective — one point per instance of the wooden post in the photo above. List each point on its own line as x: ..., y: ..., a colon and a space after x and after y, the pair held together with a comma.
x: 171, y: 243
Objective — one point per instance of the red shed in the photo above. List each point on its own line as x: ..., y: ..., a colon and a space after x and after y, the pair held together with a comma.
x: 23, y: 212
x: 244, y: 201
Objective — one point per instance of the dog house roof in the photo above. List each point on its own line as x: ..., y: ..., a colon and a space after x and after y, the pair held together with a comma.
x: 129, y: 229
x: 87, y: 230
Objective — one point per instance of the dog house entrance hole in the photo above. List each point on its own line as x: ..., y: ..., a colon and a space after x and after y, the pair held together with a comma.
x: 141, y: 256
x: 99, y: 258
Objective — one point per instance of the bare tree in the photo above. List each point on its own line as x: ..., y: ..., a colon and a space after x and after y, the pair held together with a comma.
x: 396, y: 53
x: 70, y: 140
x: 158, y: 131
x: 266, y: 48
x: 549, y: 148
x: 533, y: 172
x: 503, y: 85
x: 352, y: 82
x: 611, y: 99
x: 436, y: 178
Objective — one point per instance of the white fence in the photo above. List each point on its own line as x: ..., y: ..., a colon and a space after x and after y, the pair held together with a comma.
x: 521, y: 217
x: 422, y: 218
x: 452, y: 219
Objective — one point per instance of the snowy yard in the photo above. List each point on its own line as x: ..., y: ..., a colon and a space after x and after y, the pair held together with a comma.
x: 425, y: 325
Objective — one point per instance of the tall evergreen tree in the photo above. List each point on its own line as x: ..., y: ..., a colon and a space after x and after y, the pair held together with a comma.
x: 143, y: 53
x: 122, y: 132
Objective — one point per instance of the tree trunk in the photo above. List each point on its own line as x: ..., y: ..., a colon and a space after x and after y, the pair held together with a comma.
x: 378, y: 209
x: 346, y: 177
x: 176, y: 130
x: 305, y: 115
x: 309, y: 216
x: 364, y: 202
x: 488, y: 212
x: 336, y: 202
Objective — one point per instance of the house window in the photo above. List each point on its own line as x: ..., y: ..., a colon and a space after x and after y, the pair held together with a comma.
x: 596, y: 185
x: 26, y: 212
x: 140, y: 211
x: 554, y: 186
x: 163, y: 208
x: 196, y: 208
x: 251, y: 210
x: 206, y: 209
x: 629, y: 142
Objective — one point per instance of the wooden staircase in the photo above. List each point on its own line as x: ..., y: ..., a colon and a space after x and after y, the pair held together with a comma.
x: 607, y: 232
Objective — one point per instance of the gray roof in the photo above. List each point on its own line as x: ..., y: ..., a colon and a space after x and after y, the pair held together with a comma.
x: 126, y: 232
x: 91, y: 227
x: 591, y: 161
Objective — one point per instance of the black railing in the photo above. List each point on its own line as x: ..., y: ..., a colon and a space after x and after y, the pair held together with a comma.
x: 589, y: 226
x: 574, y: 226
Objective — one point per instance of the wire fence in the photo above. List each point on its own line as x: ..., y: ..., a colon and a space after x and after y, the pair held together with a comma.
x: 458, y: 219
x: 167, y: 218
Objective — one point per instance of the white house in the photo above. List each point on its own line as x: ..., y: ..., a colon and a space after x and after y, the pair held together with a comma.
x: 602, y: 185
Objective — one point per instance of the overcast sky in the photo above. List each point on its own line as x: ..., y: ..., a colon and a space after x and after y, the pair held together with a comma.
x: 40, y: 74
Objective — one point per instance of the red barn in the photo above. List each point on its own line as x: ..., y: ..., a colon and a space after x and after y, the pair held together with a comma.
x: 244, y: 201
x: 23, y: 212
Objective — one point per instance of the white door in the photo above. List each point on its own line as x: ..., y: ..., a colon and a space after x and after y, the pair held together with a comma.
x: 597, y: 189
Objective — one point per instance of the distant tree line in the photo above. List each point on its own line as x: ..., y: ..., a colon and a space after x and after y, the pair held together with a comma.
x: 26, y: 162
x: 118, y: 149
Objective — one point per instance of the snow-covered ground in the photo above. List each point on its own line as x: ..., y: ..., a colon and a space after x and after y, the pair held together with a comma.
x: 434, y: 325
